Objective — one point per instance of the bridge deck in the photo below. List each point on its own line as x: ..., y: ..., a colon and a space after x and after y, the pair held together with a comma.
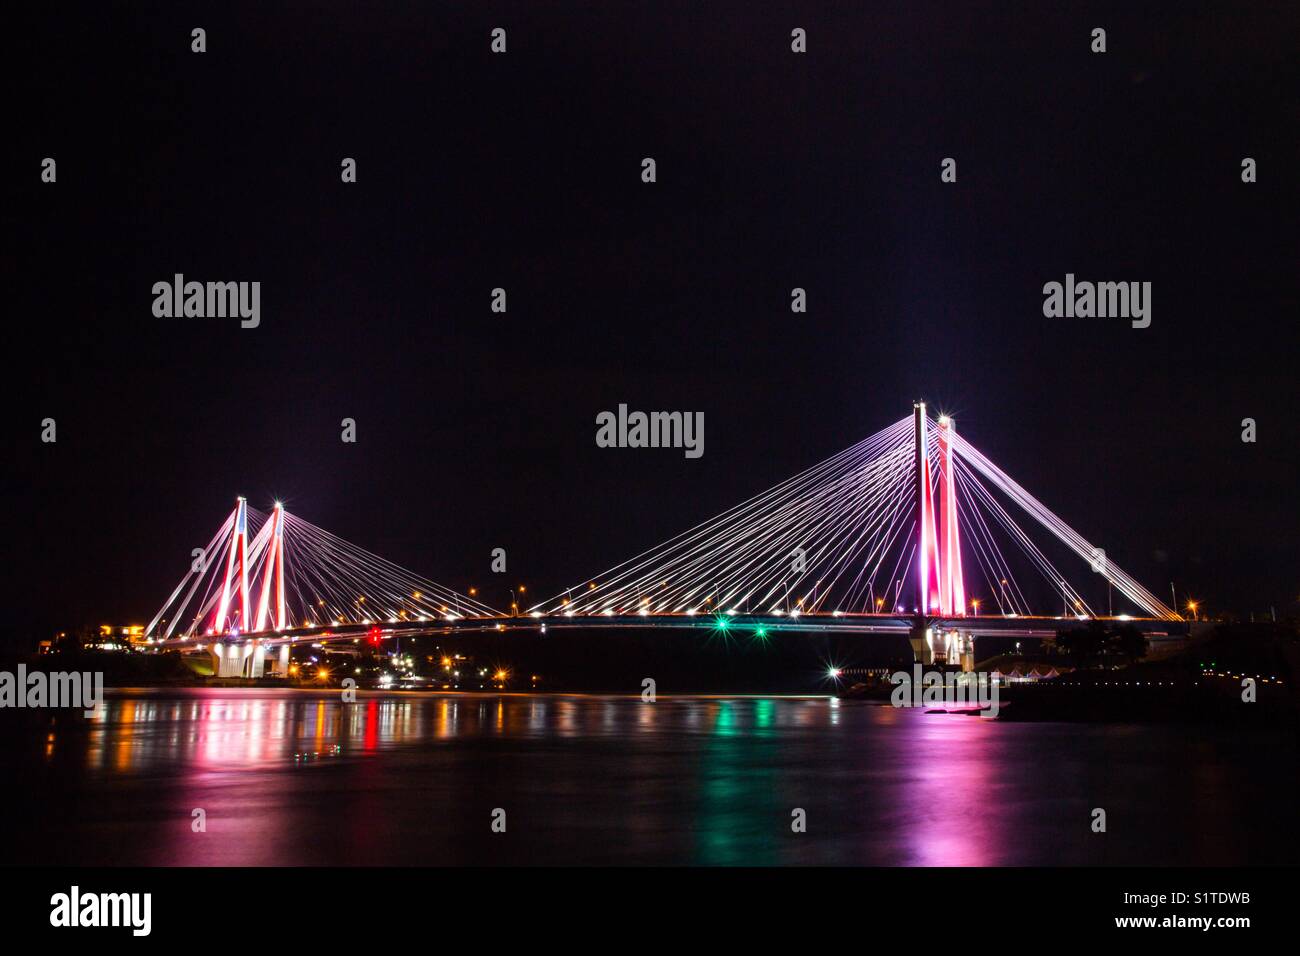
x: 979, y: 626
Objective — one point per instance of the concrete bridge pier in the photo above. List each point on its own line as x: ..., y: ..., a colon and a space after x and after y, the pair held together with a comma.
x: 280, y: 666
x: 966, y: 645
x: 937, y: 645
x: 227, y: 659
x: 234, y: 659
x: 257, y: 663
x: 920, y: 639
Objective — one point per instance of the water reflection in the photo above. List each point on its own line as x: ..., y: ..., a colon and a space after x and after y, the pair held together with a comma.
x: 292, y: 778
x: 230, y: 731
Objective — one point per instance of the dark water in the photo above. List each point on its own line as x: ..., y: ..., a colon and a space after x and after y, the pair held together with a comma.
x: 289, y: 777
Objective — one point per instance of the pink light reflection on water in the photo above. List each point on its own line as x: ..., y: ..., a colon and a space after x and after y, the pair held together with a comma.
x: 949, y: 790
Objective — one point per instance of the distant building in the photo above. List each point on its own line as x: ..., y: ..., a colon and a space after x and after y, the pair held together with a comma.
x: 123, y: 638
x: 105, y: 637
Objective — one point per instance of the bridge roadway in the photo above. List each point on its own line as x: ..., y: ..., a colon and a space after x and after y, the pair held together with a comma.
x: 978, y: 626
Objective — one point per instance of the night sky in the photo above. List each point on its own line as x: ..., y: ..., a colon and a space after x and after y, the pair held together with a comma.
x: 775, y: 170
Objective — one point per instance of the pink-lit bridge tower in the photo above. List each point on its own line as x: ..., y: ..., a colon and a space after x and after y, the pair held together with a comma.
x: 233, y: 657
x: 238, y: 554
x: 941, y: 589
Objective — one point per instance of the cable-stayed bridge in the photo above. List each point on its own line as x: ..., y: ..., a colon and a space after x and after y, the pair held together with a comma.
x: 912, y: 530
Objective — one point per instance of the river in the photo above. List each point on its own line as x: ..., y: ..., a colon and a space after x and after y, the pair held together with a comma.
x: 284, y: 777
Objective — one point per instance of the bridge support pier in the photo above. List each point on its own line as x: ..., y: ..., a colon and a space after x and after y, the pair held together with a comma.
x: 921, y: 641
x: 280, y: 666
x: 943, y: 646
x: 966, y: 644
x: 232, y: 659
x: 938, y: 645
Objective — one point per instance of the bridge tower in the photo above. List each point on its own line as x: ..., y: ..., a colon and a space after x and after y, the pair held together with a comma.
x: 238, y: 552
x: 941, y: 589
x: 927, y: 551
x: 952, y: 589
x: 273, y: 573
